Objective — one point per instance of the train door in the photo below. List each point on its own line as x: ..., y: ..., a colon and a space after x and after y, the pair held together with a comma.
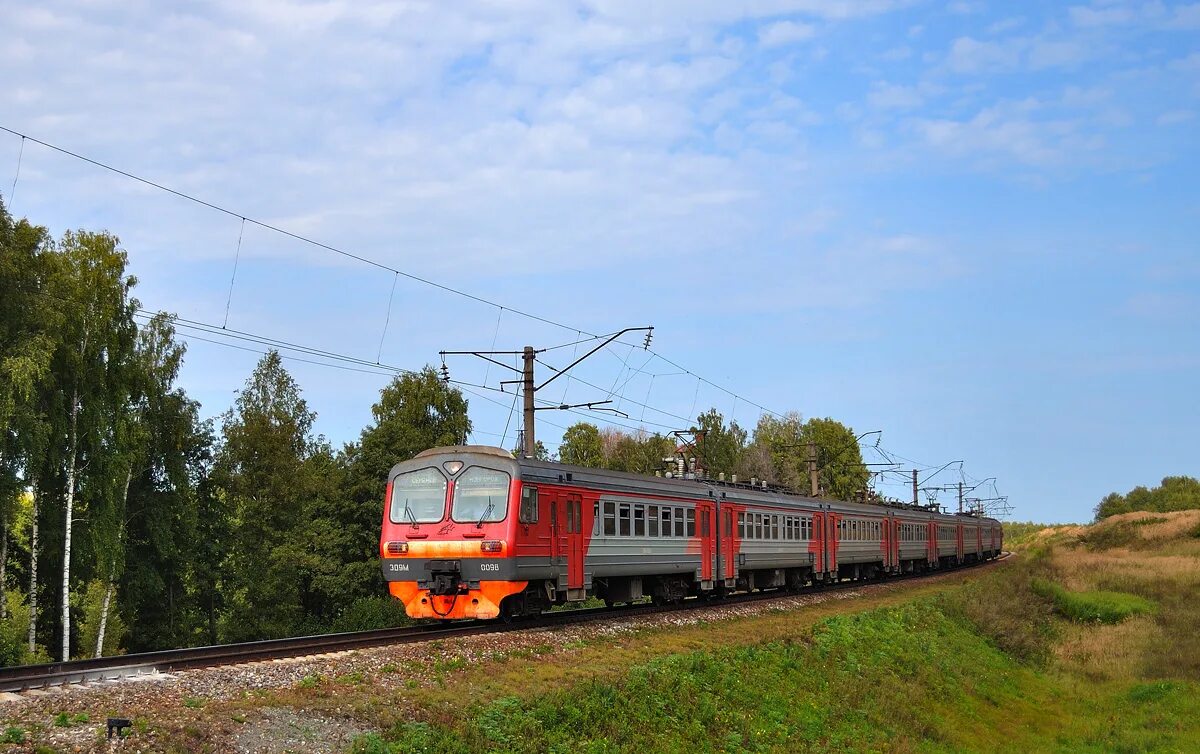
x: 705, y: 512
x: 895, y: 524
x: 979, y: 540
x: 958, y: 541
x: 816, y: 543
x: 832, y: 540
x: 556, y: 534
x: 727, y: 536
x: 575, y: 543
x: 931, y: 536
x: 885, y: 544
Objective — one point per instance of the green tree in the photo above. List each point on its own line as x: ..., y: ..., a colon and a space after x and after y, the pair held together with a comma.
x: 778, y: 451
x: 842, y: 473
x: 582, y: 446
x: 540, y: 451
x: 414, y: 412
x: 1174, y: 493
x: 719, y: 447
x: 90, y: 384
x: 260, y: 471
x: 28, y: 318
x: 156, y: 522
x: 638, y: 453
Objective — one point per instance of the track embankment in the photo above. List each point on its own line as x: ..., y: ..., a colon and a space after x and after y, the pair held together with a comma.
x: 341, y: 692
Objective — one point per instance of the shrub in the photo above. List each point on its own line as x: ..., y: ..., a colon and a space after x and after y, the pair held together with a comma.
x: 1004, y: 607
x: 1108, y: 536
x: 1093, y: 607
x: 370, y: 743
x: 13, y: 735
x: 368, y: 613
x: 13, y: 649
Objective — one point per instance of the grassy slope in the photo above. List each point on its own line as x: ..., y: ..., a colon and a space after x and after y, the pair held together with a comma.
x: 995, y: 665
x: 912, y: 678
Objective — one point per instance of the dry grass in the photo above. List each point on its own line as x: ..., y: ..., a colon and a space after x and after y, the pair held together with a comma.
x: 1059, y: 532
x: 1109, y: 652
x: 1152, y: 555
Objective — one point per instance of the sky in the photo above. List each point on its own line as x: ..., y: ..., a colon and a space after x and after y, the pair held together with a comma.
x: 972, y: 226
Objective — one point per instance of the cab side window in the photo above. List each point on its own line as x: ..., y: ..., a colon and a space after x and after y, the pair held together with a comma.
x: 529, y: 505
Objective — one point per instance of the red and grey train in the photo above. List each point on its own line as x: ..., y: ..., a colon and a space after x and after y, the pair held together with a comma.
x: 471, y: 532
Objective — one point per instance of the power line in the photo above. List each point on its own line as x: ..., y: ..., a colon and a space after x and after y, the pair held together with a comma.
x: 342, y: 252
x: 188, y: 329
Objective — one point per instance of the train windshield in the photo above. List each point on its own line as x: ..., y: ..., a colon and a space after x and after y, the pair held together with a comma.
x: 419, y: 497
x: 480, y: 496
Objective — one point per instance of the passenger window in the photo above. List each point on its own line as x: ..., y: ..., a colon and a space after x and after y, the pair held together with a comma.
x: 774, y: 527
x: 639, y: 520
x: 741, y: 525
x: 691, y: 522
x: 679, y: 531
x: 652, y: 521
x: 610, y: 519
x: 624, y: 528
x: 666, y: 522
x: 758, y: 526
x: 529, y: 505
x: 596, y: 519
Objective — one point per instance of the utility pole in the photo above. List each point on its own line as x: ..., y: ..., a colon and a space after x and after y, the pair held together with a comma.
x: 814, y: 479
x: 529, y: 387
x: 914, y: 474
x: 528, y: 391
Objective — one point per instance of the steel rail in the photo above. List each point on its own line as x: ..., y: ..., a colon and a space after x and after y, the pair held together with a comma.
x: 26, y: 677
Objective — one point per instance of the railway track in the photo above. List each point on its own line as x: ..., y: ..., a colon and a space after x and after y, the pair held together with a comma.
x: 27, y: 677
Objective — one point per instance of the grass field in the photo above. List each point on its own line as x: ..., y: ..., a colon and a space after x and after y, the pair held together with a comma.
x: 1085, y: 643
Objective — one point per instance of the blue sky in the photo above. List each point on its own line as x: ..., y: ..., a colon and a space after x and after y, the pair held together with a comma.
x: 970, y: 225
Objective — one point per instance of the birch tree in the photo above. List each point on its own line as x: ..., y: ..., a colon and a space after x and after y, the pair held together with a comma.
x: 28, y: 320
x: 91, y: 369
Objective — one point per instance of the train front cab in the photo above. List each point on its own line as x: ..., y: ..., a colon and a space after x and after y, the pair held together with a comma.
x: 448, y: 525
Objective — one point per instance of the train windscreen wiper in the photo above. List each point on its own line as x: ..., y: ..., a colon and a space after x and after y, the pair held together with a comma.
x: 486, y: 512
x: 411, y: 516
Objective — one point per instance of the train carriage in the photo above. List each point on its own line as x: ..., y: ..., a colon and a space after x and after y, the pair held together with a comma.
x: 471, y: 532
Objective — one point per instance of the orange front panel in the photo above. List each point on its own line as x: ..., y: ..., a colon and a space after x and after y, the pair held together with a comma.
x: 482, y: 603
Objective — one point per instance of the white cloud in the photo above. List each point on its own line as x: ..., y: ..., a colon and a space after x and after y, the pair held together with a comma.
x: 1011, y: 131
x: 885, y: 96
x: 969, y: 55
x: 1190, y: 64
x: 785, y: 33
x: 1160, y: 305
x: 1091, y: 16
x: 1175, y: 117
x: 1044, y: 53
x: 966, y: 7
x: 1185, y: 17
x: 1006, y: 24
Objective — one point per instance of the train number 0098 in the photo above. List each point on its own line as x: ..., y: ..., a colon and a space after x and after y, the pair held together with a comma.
x: 489, y: 566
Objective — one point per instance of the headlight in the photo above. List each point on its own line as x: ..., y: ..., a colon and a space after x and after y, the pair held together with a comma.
x: 396, y: 548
